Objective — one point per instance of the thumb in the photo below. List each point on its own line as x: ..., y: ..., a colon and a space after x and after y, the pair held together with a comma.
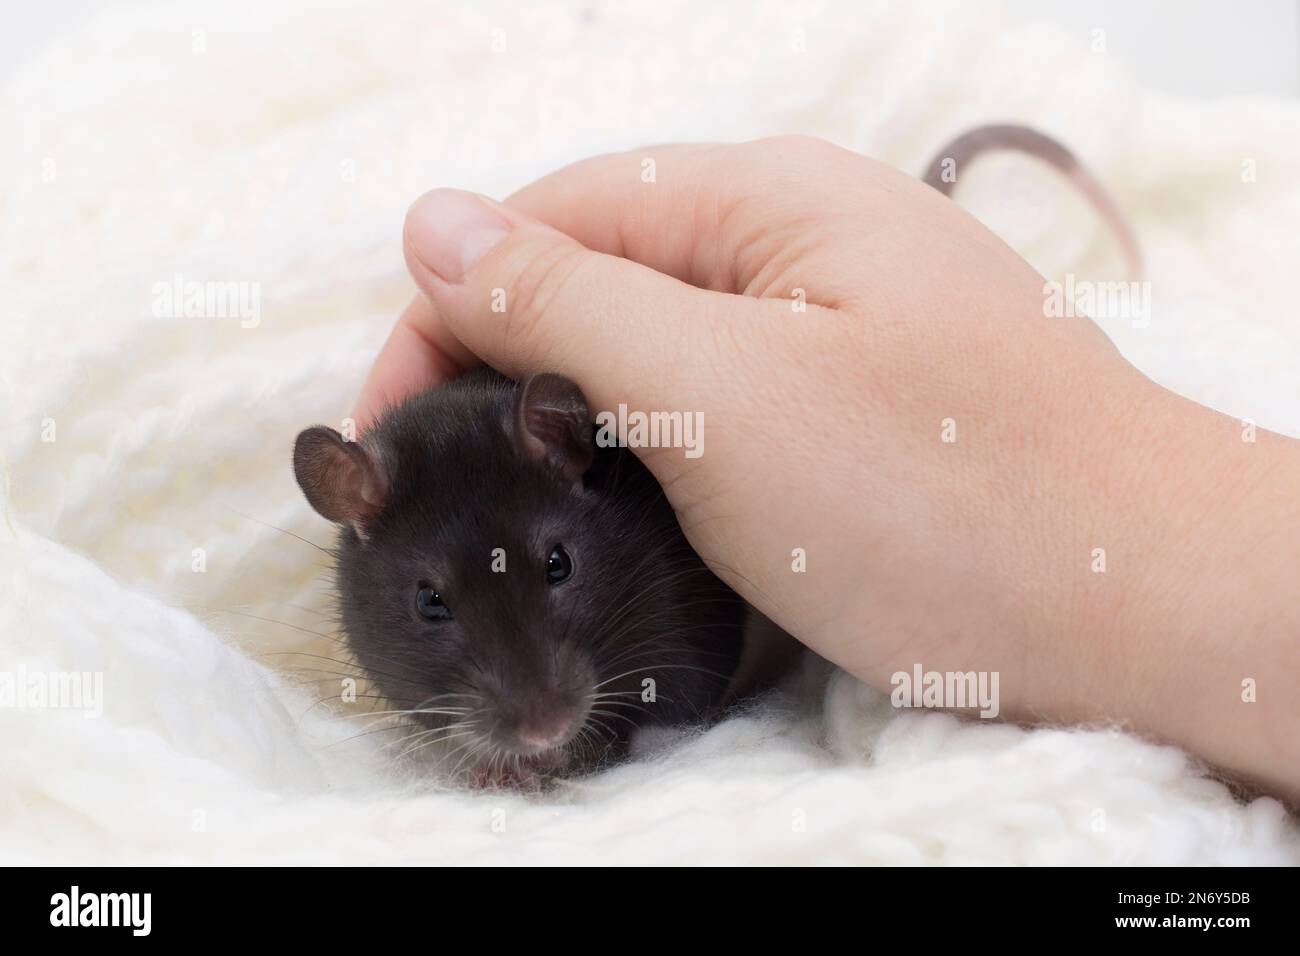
x: 524, y: 297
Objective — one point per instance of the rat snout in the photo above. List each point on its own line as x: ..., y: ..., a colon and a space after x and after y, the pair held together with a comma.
x: 546, y: 732
x: 547, y: 724
x: 541, y: 697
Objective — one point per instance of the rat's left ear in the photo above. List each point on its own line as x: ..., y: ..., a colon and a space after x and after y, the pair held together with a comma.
x: 553, y: 424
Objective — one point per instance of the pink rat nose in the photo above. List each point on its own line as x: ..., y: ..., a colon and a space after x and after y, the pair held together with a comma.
x: 543, y: 733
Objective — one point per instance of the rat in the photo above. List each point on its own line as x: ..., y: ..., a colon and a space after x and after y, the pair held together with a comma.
x: 941, y: 173
x: 527, y: 596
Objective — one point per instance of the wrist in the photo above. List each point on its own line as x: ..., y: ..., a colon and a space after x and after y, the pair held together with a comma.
x: 1196, y: 639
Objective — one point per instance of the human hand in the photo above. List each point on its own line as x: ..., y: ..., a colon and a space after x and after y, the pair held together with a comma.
x: 826, y: 431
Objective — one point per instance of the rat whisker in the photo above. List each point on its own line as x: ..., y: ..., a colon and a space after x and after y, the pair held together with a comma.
x: 333, y: 697
x: 366, y: 671
x: 636, y: 707
x: 235, y: 608
x: 451, y: 733
x: 281, y: 530
x: 476, y: 746
x: 271, y: 620
x: 335, y: 638
x: 423, y: 732
x: 688, y: 667
x: 389, y: 714
x: 608, y: 731
x: 358, y: 736
x: 610, y: 713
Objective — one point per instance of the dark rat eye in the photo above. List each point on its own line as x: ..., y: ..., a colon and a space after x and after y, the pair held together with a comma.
x: 429, y: 603
x: 559, y: 566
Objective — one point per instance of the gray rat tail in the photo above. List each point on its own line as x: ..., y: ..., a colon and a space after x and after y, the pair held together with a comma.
x: 942, y: 174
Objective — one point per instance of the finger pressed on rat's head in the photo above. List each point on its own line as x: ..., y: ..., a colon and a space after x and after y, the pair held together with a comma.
x: 527, y: 595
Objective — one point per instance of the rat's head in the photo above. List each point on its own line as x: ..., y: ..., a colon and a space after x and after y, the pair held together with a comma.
x: 525, y: 593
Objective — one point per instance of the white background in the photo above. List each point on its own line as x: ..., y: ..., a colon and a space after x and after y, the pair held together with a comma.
x: 1201, y: 48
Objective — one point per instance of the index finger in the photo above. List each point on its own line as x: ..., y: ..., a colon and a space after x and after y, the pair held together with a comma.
x: 712, y: 215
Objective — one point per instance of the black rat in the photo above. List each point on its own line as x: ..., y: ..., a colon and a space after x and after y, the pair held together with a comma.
x: 527, y: 594
x: 526, y: 597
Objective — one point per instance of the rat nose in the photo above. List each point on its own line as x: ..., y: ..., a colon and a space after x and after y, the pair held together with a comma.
x: 542, y: 732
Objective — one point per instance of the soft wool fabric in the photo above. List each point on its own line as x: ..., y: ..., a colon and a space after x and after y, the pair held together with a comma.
x: 278, y: 144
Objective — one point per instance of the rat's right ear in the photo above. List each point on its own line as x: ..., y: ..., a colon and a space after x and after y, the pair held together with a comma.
x: 341, y: 480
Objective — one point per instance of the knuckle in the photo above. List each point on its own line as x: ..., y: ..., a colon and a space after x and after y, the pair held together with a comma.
x: 542, y: 284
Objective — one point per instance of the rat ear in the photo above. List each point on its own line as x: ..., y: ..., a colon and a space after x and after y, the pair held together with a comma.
x: 340, y: 478
x: 553, y: 424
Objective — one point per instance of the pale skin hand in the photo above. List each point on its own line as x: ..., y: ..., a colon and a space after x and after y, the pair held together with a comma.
x: 823, y: 432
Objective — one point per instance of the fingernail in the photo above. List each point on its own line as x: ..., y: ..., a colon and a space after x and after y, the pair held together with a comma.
x: 450, y: 231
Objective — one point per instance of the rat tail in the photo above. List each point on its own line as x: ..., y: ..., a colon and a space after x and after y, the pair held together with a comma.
x: 966, y: 147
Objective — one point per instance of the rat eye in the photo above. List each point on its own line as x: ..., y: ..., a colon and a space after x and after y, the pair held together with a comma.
x: 430, y: 605
x: 559, y: 566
